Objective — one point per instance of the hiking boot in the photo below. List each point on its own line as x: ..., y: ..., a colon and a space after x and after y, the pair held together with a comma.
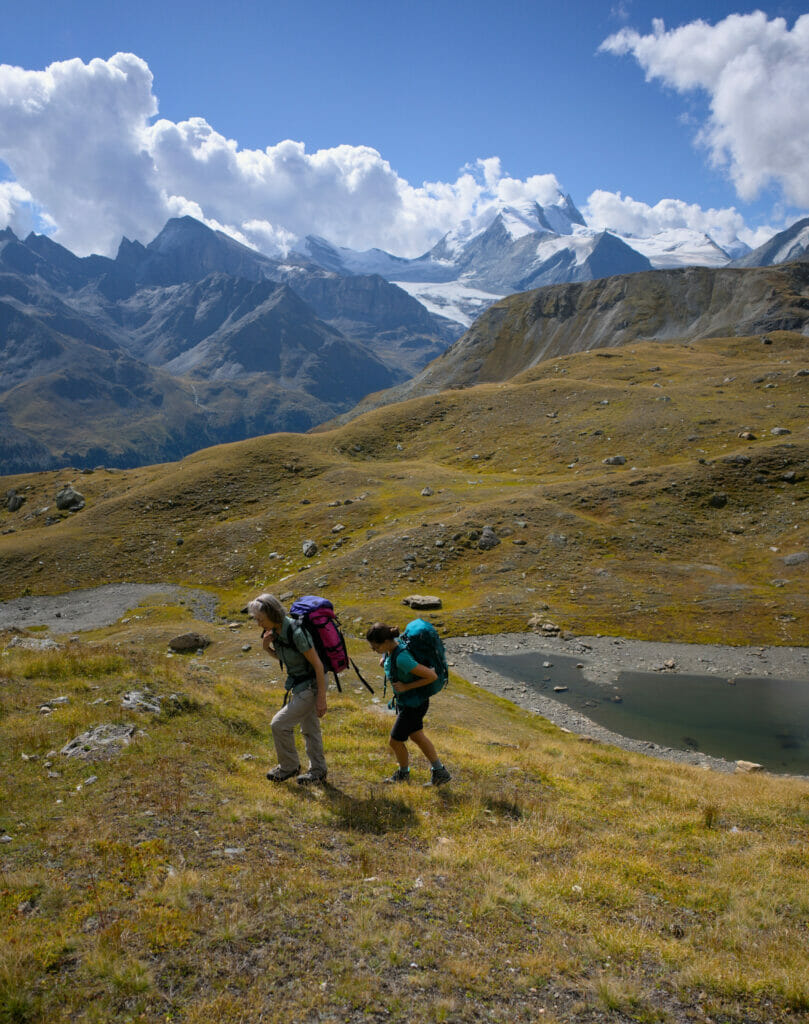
x: 309, y: 777
x: 438, y: 776
x: 400, y: 775
x: 279, y: 774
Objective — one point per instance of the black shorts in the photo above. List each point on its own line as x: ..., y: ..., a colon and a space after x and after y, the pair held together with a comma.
x: 408, y: 721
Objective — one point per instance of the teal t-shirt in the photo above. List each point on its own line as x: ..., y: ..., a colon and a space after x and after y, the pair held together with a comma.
x: 405, y: 663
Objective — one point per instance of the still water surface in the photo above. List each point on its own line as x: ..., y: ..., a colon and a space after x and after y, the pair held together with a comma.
x: 753, y: 719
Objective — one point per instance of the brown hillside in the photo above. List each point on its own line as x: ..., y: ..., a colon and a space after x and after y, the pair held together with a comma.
x: 685, y: 305
x: 687, y: 539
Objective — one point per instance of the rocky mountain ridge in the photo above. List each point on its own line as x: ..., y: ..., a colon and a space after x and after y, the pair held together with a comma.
x: 190, y: 341
x: 685, y: 305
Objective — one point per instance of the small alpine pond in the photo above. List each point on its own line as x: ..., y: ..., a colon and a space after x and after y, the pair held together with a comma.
x: 743, y: 718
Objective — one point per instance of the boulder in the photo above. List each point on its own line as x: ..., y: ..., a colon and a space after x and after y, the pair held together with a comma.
x: 488, y: 539
x: 615, y: 460
x: 309, y: 548
x: 188, y: 642
x: 14, y: 501
x: 69, y: 500
x: 421, y: 602
x: 748, y: 766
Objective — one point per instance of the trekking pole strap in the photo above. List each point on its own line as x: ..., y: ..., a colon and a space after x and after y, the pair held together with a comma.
x: 366, y: 684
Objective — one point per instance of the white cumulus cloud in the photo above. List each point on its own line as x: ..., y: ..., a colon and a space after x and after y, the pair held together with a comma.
x: 18, y: 210
x: 755, y: 72
x: 83, y: 142
x: 627, y: 216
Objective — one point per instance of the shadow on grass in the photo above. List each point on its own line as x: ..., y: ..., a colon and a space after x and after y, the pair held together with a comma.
x: 373, y: 815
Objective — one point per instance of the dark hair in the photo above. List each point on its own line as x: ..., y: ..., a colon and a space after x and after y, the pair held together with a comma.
x: 379, y: 633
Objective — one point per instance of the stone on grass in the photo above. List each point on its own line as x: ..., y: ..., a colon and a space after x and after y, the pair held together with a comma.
x: 69, y: 500
x: 488, y: 539
x: 309, y: 548
x: 141, y: 700
x: 188, y: 642
x: 748, y: 766
x: 422, y: 602
x: 101, y: 743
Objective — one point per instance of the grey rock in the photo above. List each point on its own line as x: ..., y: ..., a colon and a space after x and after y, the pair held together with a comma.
x: 15, y: 501
x: 797, y: 558
x: 780, y: 431
x: 309, y: 548
x: 488, y: 539
x: 101, y: 743
x: 427, y: 492
x: 615, y: 460
x: 69, y: 500
x: 422, y: 602
x: 33, y: 643
x: 188, y: 642
x: 141, y: 700
x: 718, y: 500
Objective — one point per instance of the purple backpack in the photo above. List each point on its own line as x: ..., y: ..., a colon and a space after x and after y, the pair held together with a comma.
x: 316, y: 615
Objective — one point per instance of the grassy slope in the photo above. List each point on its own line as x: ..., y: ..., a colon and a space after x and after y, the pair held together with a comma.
x: 553, y: 879
x: 636, y: 549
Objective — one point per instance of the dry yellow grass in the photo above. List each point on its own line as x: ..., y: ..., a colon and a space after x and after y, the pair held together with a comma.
x: 550, y: 879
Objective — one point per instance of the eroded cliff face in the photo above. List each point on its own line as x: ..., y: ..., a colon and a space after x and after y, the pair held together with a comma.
x: 662, y: 305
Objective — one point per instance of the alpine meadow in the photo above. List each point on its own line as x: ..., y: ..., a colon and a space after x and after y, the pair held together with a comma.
x: 457, y: 356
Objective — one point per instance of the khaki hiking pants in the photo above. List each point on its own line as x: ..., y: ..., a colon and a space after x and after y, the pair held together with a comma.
x: 299, y: 710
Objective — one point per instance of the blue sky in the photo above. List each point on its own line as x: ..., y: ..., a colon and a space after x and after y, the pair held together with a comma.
x: 431, y: 87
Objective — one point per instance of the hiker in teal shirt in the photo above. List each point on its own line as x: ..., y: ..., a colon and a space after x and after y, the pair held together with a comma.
x: 409, y: 724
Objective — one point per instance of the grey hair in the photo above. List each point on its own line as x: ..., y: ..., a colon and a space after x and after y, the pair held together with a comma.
x: 270, y: 605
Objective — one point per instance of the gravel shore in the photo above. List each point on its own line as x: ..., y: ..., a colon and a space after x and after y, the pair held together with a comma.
x: 96, y: 607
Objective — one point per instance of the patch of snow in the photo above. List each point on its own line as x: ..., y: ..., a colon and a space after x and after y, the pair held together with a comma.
x: 679, y: 247
x: 579, y: 244
x: 453, y: 299
x: 793, y: 248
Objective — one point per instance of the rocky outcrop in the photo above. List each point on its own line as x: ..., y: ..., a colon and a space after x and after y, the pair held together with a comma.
x: 526, y: 329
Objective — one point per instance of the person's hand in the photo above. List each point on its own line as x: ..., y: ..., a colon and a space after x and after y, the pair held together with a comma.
x: 267, y: 644
x: 320, y: 705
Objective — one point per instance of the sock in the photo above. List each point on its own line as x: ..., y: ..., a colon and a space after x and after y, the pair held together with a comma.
x: 437, y: 764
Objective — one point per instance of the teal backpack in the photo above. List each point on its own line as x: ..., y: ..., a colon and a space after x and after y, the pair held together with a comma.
x: 421, y: 641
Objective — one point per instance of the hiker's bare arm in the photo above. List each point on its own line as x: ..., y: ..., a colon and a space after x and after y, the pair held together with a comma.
x: 425, y: 675
x: 267, y: 644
